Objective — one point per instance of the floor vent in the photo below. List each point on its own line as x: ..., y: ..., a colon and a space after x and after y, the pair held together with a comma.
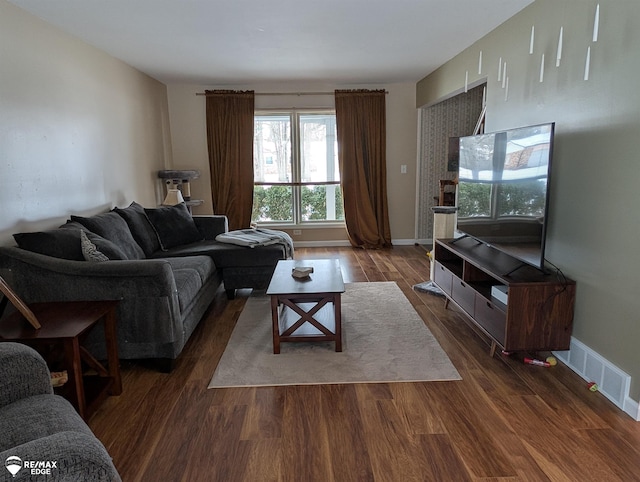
x: 612, y: 382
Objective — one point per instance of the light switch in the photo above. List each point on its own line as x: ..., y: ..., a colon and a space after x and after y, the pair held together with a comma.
x: 403, y: 169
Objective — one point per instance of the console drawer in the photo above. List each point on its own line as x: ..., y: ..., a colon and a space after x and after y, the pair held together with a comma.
x: 463, y: 294
x: 491, y: 318
x: 442, y: 277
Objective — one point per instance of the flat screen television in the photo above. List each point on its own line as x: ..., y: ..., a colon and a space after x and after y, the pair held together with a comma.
x: 503, y: 190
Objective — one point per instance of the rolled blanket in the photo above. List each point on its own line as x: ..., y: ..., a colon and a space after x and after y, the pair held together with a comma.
x: 258, y: 237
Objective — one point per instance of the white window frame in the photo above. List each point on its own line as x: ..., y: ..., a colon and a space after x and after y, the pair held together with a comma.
x: 296, y: 168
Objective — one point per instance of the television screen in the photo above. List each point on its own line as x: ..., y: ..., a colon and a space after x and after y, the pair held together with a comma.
x: 503, y: 193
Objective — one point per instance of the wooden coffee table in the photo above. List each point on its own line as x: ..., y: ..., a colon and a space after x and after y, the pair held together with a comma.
x: 306, y: 309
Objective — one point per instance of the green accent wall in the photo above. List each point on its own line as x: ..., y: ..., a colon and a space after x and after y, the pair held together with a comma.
x: 594, y: 232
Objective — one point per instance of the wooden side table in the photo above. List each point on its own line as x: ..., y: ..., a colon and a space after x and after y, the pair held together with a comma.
x: 67, y: 323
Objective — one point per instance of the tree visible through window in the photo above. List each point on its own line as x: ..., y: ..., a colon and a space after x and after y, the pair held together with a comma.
x: 295, y: 161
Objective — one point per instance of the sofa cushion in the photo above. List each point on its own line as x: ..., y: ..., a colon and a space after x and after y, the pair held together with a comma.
x: 140, y: 227
x: 112, y: 227
x: 188, y: 283
x: 106, y: 247
x: 203, y: 265
x: 174, y: 225
x: 59, y: 243
x: 190, y: 273
x: 65, y: 243
x: 229, y: 255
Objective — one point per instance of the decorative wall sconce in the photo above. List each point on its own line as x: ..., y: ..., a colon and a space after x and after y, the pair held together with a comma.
x: 587, y: 63
x: 533, y: 34
x: 504, y: 74
x: 559, y: 51
x: 503, y: 79
x: 594, y: 38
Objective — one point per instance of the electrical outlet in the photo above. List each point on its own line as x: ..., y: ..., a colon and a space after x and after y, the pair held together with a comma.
x: 297, y: 232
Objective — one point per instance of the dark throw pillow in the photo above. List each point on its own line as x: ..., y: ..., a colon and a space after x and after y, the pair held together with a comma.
x: 112, y: 227
x: 58, y: 243
x: 106, y: 247
x: 174, y: 225
x: 66, y: 243
x: 140, y: 227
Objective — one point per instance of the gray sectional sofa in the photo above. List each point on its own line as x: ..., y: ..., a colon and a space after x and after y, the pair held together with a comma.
x: 163, y: 264
x: 42, y: 437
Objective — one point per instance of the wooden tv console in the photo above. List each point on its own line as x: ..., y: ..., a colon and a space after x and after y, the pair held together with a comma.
x: 538, y: 315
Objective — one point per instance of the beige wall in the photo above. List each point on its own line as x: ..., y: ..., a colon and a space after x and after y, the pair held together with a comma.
x: 188, y: 131
x: 79, y: 130
x: 594, y: 212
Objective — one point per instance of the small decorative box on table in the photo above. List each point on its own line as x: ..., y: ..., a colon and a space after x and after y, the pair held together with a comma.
x: 307, y: 308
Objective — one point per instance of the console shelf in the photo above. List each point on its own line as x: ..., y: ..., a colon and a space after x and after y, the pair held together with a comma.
x: 538, y: 315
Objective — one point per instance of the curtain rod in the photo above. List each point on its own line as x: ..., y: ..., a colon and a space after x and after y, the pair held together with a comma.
x: 288, y: 93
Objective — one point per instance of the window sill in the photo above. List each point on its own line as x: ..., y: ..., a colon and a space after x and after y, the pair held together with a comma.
x: 318, y: 225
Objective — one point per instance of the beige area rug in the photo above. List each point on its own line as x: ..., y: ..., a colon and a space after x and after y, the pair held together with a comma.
x: 384, y: 340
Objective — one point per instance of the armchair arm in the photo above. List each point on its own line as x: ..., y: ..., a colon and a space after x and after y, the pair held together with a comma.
x: 211, y: 226
x: 23, y: 373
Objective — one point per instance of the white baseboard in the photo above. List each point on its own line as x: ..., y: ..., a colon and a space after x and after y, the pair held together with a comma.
x: 403, y: 242
x: 344, y: 242
x: 612, y: 382
x: 632, y: 408
x: 321, y: 244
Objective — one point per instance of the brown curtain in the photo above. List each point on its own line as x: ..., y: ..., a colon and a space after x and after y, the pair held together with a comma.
x: 361, y: 131
x: 230, y: 142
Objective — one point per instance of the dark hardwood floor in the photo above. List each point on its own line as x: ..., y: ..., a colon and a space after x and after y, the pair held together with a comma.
x: 503, y: 421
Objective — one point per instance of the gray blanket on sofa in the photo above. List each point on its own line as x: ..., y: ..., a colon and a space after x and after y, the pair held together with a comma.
x: 258, y: 237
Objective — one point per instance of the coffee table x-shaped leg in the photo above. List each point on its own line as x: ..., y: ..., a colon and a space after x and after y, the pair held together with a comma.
x: 307, y: 308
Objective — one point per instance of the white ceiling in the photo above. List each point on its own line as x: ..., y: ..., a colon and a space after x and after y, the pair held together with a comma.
x: 249, y: 41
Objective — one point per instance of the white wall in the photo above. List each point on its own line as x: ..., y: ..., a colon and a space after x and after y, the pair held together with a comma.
x: 80, y: 131
x: 188, y: 129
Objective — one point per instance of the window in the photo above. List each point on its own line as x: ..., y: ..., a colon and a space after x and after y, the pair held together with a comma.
x: 295, y: 164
